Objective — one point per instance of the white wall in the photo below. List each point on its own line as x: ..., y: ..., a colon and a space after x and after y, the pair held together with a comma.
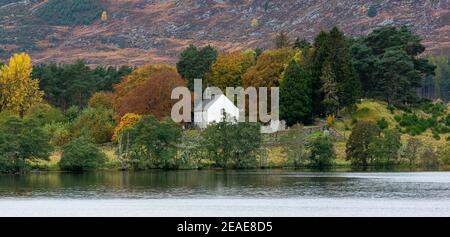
x: 214, y: 112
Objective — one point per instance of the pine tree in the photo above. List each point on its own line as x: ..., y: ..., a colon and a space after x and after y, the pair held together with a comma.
x: 330, y: 91
x: 301, y: 44
x: 194, y: 63
x: 332, y: 47
x: 295, y: 94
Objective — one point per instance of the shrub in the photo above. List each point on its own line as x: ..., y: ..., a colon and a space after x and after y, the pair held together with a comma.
x: 101, y: 100
x: 437, y: 109
x: 59, y: 133
x: 447, y: 120
x: 153, y: 144
x: 233, y: 143
x: 384, y: 149
x: 411, y: 150
x: 126, y: 122
x: 295, y: 140
x: 72, y: 113
x: 415, y: 125
x: 444, y: 154
x: 322, y: 152
x: 357, y: 148
x: 96, y: 123
x: 80, y: 155
x: 45, y: 114
x: 429, y: 159
x: 382, y: 123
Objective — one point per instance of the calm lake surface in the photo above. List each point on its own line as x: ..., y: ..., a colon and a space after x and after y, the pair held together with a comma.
x: 226, y: 193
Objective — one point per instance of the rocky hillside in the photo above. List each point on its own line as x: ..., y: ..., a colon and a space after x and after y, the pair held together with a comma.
x: 138, y: 31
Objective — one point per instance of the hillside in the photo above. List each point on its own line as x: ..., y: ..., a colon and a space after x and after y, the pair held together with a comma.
x: 138, y: 31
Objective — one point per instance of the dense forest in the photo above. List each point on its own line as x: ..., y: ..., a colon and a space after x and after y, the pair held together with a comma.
x: 79, y: 118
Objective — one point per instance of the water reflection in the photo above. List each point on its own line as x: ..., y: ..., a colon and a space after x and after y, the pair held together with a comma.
x: 227, y: 184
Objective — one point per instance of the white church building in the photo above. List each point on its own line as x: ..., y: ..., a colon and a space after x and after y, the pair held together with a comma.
x: 213, y: 110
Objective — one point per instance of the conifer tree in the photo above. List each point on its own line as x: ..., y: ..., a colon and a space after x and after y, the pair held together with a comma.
x: 295, y: 94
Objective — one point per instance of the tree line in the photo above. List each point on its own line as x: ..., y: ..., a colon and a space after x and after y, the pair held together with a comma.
x: 67, y: 106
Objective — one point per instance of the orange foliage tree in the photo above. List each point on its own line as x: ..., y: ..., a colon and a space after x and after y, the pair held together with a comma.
x: 151, y: 96
x: 269, y: 68
x: 133, y: 80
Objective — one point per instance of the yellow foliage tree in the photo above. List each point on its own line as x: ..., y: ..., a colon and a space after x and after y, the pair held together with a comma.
x: 255, y: 22
x: 104, y: 16
x: 330, y: 120
x: 18, y: 92
x: 229, y: 68
x: 127, y: 121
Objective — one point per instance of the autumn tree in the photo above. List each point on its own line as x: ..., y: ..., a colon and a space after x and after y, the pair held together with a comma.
x: 102, y: 100
x: 268, y: 69
x: 229, y: 68
x: 152, y: 96
x: 295, y: 94
x: 104, y: 16
x: 98, y: 124
x: 195, y: 63
x: 18, y: 92
x: 132, y: 81
x: 127, y: 121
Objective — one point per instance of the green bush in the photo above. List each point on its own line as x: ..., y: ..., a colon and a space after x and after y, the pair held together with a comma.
x: 96, y: 123
x: 447, y: 120
x: 429, y: 159
x: 59, y: 133
x: 45, y: 114
x: 153, y: 144
x: 415, y: 125
x: 233, y: 144
x: 384, y: 149
x: 444, y: 155
x: 81, y: 154
x: 436, y: 109
x: 70, y: 12
x: 72, y: 113
x: 294, y: 144
x: 357, y: 147
x: 322, y: 152
x: 382, y: 123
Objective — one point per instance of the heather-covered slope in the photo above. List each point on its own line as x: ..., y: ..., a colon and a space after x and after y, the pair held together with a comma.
x: 138, y: 31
